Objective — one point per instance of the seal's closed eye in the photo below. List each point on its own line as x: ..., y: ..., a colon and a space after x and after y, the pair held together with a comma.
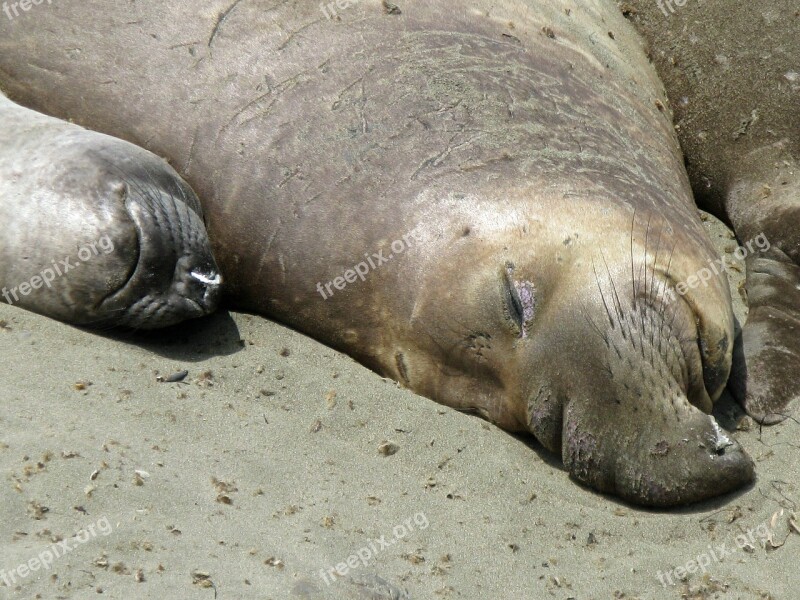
x: 519, y: 296
x: 513, y: 300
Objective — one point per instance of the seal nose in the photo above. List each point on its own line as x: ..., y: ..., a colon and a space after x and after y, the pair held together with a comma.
x: 212, y: 282
x: 212, y: 279
x: 201, y: 284
x: 656, y: 456
x: 175, y: 277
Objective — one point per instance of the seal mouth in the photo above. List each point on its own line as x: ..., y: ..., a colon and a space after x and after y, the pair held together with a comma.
x: 704, y: 343
x: 679, y: 328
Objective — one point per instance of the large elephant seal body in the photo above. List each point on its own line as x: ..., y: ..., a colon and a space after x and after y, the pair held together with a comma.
x: 485, y: 203
x: 732, y: 71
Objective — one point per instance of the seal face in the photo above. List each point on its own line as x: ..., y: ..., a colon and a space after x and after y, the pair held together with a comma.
x: 497, y: 203
x: 99, y: 232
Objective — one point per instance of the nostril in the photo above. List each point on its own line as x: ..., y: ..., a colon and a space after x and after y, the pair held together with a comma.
x: 211, y: 278
x: 720, y: 441
x: 208, y: 284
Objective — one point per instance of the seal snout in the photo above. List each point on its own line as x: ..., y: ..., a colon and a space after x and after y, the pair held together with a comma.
x: 633, y: 422
x: 175, y: 276
x: 651, y: 450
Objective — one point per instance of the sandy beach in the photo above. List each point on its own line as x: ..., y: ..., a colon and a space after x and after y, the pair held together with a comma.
x: 277, y: 460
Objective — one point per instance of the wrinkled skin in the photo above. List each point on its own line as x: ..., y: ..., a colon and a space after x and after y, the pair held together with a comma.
x: 732, y: 73
x: 521, y: 152
x: 96, y: 230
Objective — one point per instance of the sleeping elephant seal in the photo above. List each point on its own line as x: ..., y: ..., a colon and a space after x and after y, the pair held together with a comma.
x: 732, y: 71
x: 486, y: 204
x: 97, y: 231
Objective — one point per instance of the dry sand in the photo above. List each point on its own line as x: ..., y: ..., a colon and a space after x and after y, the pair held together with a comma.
x: 263, y: 468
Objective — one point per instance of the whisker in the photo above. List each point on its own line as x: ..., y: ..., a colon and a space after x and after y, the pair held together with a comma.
x: 663, y: 307
x: 633, y: 278
x: 603, y: 335
x: 602, y: 296
x: 616, y: 296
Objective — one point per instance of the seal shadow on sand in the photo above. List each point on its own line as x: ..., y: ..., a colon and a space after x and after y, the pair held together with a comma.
x: 191, y: 341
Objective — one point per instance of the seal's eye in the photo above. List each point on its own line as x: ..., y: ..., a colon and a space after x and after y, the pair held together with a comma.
x: 520, y: 299
x: 514, y: 303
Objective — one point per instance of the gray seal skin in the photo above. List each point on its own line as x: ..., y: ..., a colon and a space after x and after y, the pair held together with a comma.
x: 732, y: 71
x: 520, y: 152
x: 97, y: 231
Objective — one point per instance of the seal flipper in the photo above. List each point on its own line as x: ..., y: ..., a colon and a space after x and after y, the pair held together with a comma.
x: 767, y: 360
x: 764, y: 206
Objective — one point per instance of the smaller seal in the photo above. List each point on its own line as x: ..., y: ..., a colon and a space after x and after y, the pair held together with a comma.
x: 98, y: 232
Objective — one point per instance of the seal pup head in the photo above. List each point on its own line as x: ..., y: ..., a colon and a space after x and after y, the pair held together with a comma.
x: 572, y: 328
